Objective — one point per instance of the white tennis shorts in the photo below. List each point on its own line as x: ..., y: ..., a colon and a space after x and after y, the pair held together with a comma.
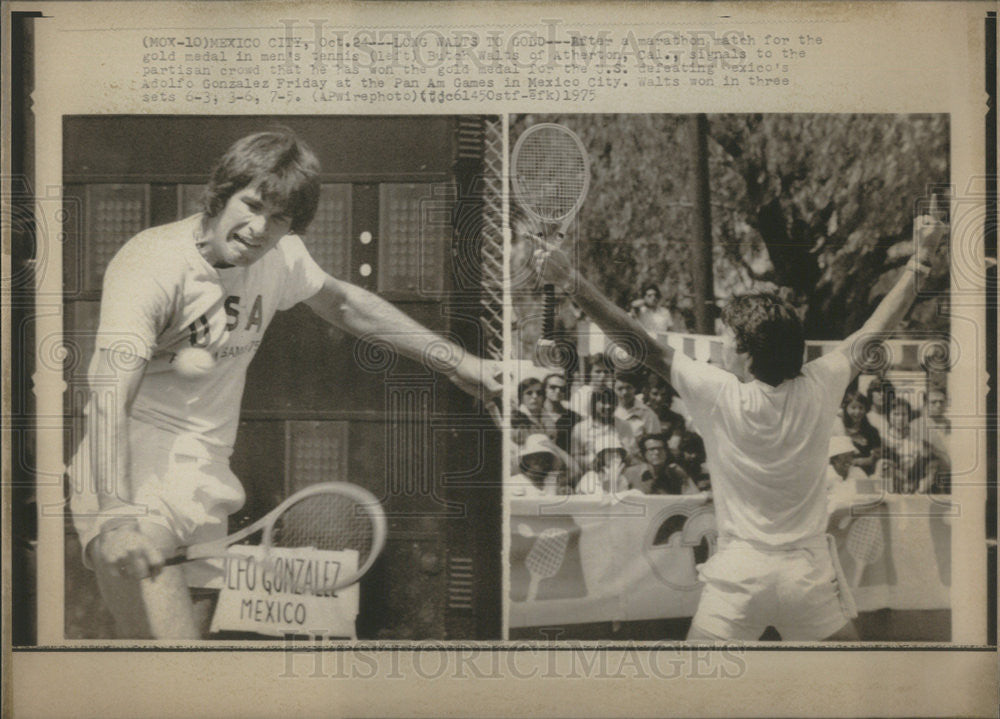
x: 748, y: 588
x: 175, y: 483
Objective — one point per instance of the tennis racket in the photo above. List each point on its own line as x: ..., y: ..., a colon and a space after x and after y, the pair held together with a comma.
x: 550, y: 174
x: 545, y: 558
x: 333, y: 516
x: 865, y: 544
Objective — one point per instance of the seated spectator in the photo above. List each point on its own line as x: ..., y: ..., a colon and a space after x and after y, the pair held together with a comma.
x: 910, y: 463
x: 528, y: 417
x: 853, y: 423
x: 538, y: 462
x: 659, y: 396
x: 842, y: 468
x: 654, y: 318
x: 640, y: 418
x: 600, y: 373
x: 693, y: 459
x: 660, y: 471
x: 599, y: 425
x: 606, y: 478
x: 880, y: 395
x: 935, y: 405
x: 558, y: 420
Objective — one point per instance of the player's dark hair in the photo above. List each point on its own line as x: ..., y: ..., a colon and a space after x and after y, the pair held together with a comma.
x: 283, y: 166
x: 767, y: 329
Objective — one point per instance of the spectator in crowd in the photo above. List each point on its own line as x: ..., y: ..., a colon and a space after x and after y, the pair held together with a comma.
x: 934, y: 428
x: 598, y: 426
x: 843, y: 467
x: 660, y: 471
x: 557, y: 418
x: 880, y: 395
x: 640, y: 418
x: 528, y: 417
x: 538, y: 463
x: 606, y: 477
x: 911, y: 463
x: 693, y: 459
x: 654, y: 318
x: 600, y: 374
x: 853, y: 423
x: 935, y: 405
x: 658, y: 396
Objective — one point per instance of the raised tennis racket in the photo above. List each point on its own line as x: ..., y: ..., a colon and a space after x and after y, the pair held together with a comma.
x: 550, y: 174
x: 333, y: 516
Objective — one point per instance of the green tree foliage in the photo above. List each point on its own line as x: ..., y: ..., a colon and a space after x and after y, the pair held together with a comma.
x: 817, y: 207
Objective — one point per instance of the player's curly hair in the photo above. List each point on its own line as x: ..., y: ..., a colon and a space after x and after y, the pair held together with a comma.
x: 769, y: 330
x: 284, y: 166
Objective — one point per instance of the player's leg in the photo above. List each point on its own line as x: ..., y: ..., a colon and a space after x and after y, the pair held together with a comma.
x: 847, y: 633
x: 157, y: 607
x: 734, y: 599
x: 811, y: 603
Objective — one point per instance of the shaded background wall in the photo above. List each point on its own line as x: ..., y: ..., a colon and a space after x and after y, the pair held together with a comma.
x: 401, y: 215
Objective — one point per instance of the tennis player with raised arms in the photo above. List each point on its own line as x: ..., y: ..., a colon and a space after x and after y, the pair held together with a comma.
x: 766, y: 418
x: 183, y: 310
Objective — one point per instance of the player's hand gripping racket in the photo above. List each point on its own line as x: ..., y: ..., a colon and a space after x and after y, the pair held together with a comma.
x: 550, y: 175
x: 333, y: 516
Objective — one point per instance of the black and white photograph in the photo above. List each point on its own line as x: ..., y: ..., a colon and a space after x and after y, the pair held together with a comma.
x: 348, y: 444
x: 732, y: 400
x: 499, y: 359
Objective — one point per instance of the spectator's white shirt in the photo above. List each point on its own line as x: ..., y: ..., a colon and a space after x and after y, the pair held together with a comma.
x: 640, y: 418
x: 767, y: 446
x: 580, y: 401
x: 655, y: 320
x: 522, y: 486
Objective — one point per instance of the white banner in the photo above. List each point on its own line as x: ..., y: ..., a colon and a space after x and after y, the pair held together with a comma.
x: 577, y: 559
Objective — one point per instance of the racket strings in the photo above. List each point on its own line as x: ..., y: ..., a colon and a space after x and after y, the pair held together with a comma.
x: 547, y: 553
x: 865, y: 539
x: 331, y: 522
x: 550, y: 173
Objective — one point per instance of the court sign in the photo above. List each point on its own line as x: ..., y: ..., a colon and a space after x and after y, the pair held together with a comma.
x: 279, y: 592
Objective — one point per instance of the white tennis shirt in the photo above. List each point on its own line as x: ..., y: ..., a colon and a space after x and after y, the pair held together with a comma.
x: 766, y: 446
x: 160, y: 295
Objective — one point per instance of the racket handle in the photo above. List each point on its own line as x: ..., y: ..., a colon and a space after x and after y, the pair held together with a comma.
x: 549, y: 312
x: 178, y: 558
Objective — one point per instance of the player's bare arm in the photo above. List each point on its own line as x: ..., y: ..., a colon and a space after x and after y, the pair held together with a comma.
x: 364, y: 314
x: 119, y: 546
x: 928, y: 233
x: 554, y: 266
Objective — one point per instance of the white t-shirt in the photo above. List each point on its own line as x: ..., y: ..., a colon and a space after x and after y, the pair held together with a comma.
x: 160, y: 295
x: 766, y: 446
